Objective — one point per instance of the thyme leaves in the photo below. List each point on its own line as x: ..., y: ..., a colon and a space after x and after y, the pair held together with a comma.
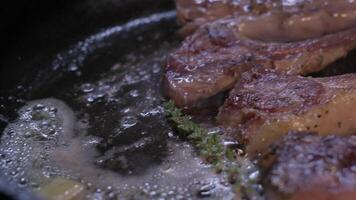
x: 210, y: 146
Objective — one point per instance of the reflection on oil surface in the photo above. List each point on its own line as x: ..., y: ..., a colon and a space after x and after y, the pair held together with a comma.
x: 107, y: 136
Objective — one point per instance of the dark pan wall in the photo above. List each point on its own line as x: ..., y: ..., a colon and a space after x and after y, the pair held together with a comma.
x: 34, y: 31
x: 45, y: 22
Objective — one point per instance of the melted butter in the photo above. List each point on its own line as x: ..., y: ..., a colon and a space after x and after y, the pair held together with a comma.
x: 315, y: 20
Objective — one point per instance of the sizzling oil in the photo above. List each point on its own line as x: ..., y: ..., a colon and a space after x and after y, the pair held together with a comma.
x: 104, y: 127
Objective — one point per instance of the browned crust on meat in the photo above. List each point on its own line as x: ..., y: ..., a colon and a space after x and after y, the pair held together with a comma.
x: 303, y: 166
x: 193, y: 13
x: 266, y: 103
x: 212, y: 60
x: 272, y: 92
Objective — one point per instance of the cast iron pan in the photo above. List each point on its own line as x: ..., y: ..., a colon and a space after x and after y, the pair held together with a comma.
x: 53, y: 50
x: 36, y: 34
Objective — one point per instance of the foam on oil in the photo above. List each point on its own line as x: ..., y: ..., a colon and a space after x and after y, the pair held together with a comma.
x: 108, y: 132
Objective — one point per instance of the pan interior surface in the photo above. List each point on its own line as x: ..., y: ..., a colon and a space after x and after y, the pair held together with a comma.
x: 94, y: 116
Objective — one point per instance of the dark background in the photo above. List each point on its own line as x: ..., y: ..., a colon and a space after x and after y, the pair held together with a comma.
x: 32, y: 25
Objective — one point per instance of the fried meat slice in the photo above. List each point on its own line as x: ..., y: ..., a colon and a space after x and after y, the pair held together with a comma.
x: 193, y: 13
x: 212, y: 60
x: 304, y: 166
x: 266, y: 104
x: 297, y: 37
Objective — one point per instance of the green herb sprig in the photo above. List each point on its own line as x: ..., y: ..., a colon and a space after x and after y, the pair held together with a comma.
x: 210, y: 146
